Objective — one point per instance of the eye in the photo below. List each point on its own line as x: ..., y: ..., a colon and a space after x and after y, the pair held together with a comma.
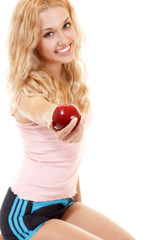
x: 49, y: 34
x: 67, y: 25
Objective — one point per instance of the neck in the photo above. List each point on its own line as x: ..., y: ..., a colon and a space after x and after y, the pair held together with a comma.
x: 56, y: 70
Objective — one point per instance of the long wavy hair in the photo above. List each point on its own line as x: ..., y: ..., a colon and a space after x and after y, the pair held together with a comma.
x: 27, y: 74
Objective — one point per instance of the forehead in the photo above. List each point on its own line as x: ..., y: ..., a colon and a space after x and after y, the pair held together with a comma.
x: 53, y: 17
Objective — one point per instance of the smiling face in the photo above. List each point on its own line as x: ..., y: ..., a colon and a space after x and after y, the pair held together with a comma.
x: 57, y: 37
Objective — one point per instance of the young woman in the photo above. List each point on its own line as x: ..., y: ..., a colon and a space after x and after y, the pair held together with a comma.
x: 44, y: 200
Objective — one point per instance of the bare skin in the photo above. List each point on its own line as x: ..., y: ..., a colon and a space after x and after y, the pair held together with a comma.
x: 81, y: 222
x: 1, y: 237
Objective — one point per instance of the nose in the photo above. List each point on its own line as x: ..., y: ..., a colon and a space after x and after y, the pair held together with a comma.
x: 62, y: 39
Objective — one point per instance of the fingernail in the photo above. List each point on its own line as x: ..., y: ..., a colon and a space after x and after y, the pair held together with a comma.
x: 49, y: 125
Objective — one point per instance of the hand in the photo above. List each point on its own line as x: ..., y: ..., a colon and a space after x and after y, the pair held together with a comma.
x: 70, y: 133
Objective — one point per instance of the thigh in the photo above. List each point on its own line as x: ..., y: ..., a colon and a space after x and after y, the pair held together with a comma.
x: 61, y: 230
x: 1, y: 237
x: 95, y: 223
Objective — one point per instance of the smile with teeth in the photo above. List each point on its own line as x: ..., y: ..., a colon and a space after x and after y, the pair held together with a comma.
x: 64, y: 50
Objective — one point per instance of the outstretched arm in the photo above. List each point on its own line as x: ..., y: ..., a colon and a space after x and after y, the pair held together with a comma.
x: 40, y: 111
x: 36, y: 109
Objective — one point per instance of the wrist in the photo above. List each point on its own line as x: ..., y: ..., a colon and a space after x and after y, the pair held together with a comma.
x: 50, y: 117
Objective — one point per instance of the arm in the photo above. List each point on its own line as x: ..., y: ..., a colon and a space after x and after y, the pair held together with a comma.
x: 78, y: 197
x: 36, y: 109
x: 40, y: 111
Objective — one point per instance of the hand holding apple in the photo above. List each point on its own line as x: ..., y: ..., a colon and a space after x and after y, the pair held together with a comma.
x: 63, y: 114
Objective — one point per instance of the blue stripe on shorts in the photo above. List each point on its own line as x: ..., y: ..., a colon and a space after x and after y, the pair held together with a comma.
x: 15, y: 220
x: 20, y: 219
x: 38, y: 205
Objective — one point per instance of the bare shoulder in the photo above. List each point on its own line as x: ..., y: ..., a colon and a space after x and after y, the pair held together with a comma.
x: 24, y: 102
x: 20, y: 118
x: 34, y: 109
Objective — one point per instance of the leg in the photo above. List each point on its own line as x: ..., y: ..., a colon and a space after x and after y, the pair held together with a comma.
x: 1, y: 237
x: 61, y: 230
x: 95, y: 223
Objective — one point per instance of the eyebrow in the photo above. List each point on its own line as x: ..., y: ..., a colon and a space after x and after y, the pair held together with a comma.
x: 46, y: 29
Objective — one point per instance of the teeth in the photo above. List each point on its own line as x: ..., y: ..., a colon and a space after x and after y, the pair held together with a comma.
x: 64, y: 50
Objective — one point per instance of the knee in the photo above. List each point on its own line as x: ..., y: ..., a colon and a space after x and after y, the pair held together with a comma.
x: 1, y: 238
x: 129, y: 238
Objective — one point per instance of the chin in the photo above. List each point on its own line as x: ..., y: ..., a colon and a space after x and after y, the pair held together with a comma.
x: 67, y: 60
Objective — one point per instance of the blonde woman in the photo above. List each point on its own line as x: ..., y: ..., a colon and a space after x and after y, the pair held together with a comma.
x: 44, y: 200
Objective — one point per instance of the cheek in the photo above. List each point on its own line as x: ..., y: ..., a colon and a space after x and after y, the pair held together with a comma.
x: 72, y: 34
x: 45, y: 47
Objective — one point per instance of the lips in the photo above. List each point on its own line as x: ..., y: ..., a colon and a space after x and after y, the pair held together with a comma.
x: 64, y: 51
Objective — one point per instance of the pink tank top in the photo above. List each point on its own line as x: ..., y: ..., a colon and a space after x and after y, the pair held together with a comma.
x: 49, y: 170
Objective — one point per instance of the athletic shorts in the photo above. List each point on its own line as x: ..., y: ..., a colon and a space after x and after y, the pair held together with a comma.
x: 20, y: 219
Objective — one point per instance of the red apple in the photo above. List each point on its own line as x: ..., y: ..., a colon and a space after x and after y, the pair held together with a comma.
x: 63, y: 114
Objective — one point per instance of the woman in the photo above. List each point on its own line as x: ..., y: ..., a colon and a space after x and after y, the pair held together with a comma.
x: 44, y: 201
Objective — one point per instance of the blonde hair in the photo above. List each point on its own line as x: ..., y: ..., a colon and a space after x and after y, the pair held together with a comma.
x: 27, y: 74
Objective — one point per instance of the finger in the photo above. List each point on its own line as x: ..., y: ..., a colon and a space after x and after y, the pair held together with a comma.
x: 81, y: 124
x: 73, y: 139
x: 77, y: 138
x: 75, y: 135
x: 50, y: 125
x: 67, y: 130
x: 71, y: 133
x: 70, y: 126
x: 77, y: 132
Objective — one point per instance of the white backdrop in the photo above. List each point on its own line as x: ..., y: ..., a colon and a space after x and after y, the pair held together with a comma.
x: 120, y: 171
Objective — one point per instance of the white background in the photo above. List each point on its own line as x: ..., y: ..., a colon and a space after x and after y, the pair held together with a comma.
x: 120, y: 171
